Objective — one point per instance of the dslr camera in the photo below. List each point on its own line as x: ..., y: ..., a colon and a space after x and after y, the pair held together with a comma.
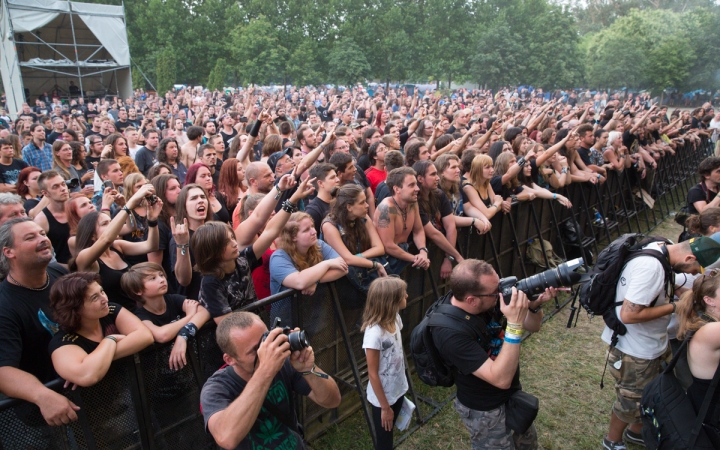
x: 297, y: 339
x: 563, y: 275
x: 72, y: 183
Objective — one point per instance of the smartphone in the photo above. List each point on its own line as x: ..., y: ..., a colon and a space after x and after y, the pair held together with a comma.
x: 108, y: 184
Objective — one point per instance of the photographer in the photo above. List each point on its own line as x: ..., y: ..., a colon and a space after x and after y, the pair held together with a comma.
x: 486, y: 369
x: 257, y: 386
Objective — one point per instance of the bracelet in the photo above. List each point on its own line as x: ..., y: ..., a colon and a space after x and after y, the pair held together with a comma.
x: 187, y: 331
x: 279, y: 192
x: 472, y: 224
x: 359, y: 255
x: 126, y: 209
x: 554, y: 196
x: 564, y: 170
x: 535, y: 310
x: 289, y: 207
x: 521, y: 161
x: 674, y: 307
x: 183, y: 248
x: 152, y: 223
x: 512, y: 339
x: 105, y: 209
x: 374, y: 267
x: 315, y: 372
x: 112, y: 338
x: 424, y: 248
x: 493, y: 206
x: 599, y: 176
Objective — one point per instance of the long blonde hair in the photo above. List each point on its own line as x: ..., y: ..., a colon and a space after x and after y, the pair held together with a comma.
x: 692, y: 309
x: 476, y: 170
x: 383, y: 303
x: 286, y: 243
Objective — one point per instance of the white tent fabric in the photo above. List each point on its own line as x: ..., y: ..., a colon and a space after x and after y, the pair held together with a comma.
x: 9, y: 64
x: 111, y: 33
x: 39, y: 44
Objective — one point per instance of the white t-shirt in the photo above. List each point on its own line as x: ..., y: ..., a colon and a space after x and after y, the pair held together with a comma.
x: 641, y: 282
x: 392, y: 363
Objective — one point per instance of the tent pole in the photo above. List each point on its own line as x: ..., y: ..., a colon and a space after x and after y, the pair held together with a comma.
x: 77, y: 59
x: 142, y: 73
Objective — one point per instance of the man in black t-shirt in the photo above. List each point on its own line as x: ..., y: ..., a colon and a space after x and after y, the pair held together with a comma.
x: 326, y: 185
x: 26, y: 321
x: 258, y: 384
x: 704, y: 194
x: 486, y: 370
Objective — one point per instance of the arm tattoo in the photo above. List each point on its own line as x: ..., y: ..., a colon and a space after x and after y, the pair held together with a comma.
x: 384, y: 218
x: 632, y: 307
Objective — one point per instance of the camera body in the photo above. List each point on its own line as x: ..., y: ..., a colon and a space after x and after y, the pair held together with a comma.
x: 151, y: 199
x: 297, y: 339
x: 563, y: 275
x: 72, y: 183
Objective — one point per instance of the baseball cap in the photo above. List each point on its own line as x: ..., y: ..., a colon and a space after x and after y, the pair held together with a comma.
x: 355, y: 126
x: 705, y: 249
x: 275, y: 157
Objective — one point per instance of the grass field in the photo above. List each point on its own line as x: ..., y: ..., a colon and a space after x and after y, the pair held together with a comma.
x: 559, y: 365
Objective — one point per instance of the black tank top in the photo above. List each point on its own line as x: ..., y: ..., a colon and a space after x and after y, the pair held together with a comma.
x: 110, y: 279
x: 696, y: 393
x: 58, y: 233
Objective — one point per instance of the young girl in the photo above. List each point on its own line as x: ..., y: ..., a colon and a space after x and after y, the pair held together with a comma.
x: 384, y: 352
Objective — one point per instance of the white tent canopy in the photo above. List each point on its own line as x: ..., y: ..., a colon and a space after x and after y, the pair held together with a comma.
x: 46, y: 44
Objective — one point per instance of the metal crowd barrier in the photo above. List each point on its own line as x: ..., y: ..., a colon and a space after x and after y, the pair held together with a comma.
x: 141, y: 403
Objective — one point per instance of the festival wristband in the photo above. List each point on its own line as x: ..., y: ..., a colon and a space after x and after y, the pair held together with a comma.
x: 512, y: 340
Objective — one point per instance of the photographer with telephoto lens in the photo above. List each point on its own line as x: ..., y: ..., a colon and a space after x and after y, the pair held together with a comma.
x: 490, y: 400
x: 249, y: 403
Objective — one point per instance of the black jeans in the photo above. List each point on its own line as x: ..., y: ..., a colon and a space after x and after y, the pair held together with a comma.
x: 385, y: 438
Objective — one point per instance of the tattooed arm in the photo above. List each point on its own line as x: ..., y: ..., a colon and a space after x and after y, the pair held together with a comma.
x: 384, y: 219
x: 633, y: 313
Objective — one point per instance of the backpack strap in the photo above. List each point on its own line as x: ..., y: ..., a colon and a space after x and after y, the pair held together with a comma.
x: 449, y: 316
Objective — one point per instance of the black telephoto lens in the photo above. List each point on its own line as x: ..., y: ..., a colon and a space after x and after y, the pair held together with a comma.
x: 298, y: 341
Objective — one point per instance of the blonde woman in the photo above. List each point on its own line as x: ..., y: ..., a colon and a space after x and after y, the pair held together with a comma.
x: 477, y: 190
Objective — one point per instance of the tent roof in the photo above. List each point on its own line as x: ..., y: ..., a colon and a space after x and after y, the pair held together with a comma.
x: 91, y: 9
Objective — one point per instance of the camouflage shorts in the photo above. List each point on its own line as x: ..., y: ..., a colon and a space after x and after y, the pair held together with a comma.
x: 488, y: 431
x: 631, y: 376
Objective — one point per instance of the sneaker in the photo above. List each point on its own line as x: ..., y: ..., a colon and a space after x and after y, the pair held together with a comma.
x: 633, y: 437
x: 610, y: 445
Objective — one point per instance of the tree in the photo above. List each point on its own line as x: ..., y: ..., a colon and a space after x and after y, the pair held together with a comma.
x: 500, y: 55
x: 256, y: 52
x: 218, y: 75
x: 612, y: 61
x: 166, y: 70
x: 347, y: 63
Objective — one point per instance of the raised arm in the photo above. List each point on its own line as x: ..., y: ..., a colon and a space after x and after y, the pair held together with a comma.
x: 248, y: 229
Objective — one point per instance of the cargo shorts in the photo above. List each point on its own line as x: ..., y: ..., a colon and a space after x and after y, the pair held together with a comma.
x: 631, y: 376
x: 488, y: 431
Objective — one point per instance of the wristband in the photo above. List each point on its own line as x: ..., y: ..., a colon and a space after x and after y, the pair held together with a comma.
x: 472, y: 224
x: 183, y: 248
x: 512, y: 340
x: 493, y: 205
x: 289, y: 207
x: 674, y: 307
x: 105, y: 209
x: 599, y: 176
x: 255, y: 130
x: 521, y: 161
x: 425, y: 249
x: 187, y: 331
x: 152, y: 223
x: 126, y: 209
x: 535, y: 310
x: 112, y: 338
x: 554, y: 196
x: 279, y: 192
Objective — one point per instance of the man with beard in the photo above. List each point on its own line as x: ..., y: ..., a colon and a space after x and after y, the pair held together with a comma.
x: 26, y: 320
x: 326, y: 185
x: 307, y: 139
x: 396, y: 217
x: 53, y: 218
x: 210, y: 131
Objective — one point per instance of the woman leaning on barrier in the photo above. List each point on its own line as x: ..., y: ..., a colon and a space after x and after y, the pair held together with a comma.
x: 351, y: 233
x: 93, y: 331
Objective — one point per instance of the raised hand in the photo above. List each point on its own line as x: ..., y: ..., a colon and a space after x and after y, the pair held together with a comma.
x: 180, y: 231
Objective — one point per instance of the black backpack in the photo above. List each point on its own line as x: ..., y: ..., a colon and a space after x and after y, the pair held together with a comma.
x: 429, y: 365
x: 597, y: 295
x: 669, y: 419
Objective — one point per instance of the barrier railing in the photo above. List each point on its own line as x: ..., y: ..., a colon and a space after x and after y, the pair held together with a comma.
x: 141, y: 403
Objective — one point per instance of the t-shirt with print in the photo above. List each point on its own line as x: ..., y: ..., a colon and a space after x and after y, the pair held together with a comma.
x: 107, y: 323
x: 268, y: 432
x: 222, y: 296
x: 9, y: 174
x: 392, y: 362
x: 641, y: 282
x: 281, y: 265
x: 26, y: 327
x: 173, y: 311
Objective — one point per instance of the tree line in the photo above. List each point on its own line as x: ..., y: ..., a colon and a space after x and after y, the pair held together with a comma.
x: 603, y: 44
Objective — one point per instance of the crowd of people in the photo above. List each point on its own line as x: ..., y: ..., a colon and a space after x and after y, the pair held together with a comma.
x: 125, y: 222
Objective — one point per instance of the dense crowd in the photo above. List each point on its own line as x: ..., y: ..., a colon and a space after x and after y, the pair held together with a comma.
x: 134, y: 221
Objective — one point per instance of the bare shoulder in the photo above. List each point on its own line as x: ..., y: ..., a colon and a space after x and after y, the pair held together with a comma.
x: 384, y: 213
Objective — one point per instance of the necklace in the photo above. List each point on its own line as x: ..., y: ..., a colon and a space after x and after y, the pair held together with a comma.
x: 47, y: 283
x: 403, y: 213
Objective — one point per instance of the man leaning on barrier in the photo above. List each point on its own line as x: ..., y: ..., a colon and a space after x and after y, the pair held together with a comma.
x: 248, y: 404
x: 26, y: 321
x: 485, y: 369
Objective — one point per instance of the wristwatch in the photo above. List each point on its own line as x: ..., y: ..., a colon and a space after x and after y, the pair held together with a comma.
x: 425, y: 249
x: 449, y: 257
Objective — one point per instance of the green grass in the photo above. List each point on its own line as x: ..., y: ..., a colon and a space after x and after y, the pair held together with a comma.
x: 559, y: 365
